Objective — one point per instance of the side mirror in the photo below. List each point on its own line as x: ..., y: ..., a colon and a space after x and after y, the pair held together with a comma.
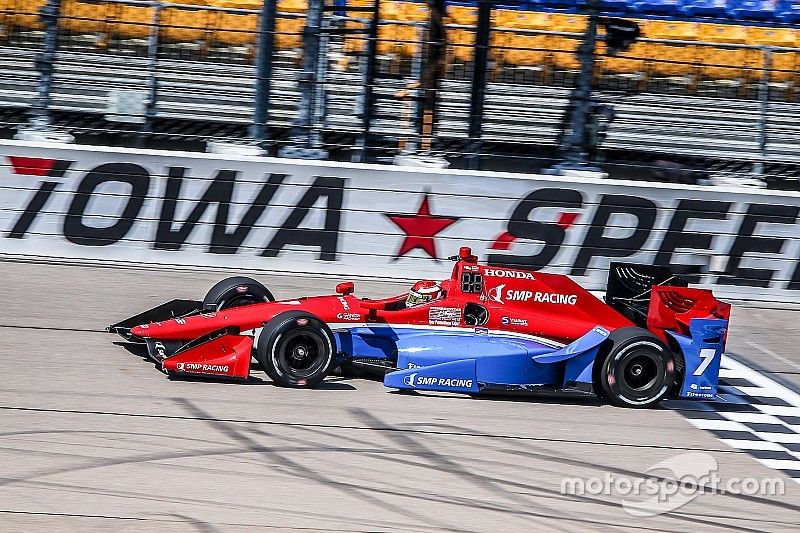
x: 345, y: 288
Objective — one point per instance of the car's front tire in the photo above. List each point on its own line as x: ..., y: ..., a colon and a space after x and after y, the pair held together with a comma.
x: 296, y: 349
x: 634, y: 368
x: 235, y: 292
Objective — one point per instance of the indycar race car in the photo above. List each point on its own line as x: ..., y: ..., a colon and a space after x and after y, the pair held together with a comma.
x: 486, y: 329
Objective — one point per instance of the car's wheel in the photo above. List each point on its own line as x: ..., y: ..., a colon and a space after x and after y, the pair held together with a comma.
x: 634, y: 368
x: 296, y: 349
x: 235, y: 292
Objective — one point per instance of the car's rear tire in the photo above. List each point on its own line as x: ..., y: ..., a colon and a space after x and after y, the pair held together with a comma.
x: 235, y: 292
x: 296, y: 349
x: 634, y: 368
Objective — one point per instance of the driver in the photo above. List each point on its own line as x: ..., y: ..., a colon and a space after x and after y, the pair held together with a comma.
x: 423, y: 292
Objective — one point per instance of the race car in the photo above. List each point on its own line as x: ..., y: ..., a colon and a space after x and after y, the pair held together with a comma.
x: 485, y: 330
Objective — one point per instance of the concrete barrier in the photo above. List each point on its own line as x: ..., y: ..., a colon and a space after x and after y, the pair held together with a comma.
x: 179, y: 208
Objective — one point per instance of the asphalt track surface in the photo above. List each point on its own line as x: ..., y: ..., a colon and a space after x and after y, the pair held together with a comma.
x: 93, y: 437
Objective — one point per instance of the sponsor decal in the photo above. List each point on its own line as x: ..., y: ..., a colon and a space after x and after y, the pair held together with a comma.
x: 555, y: 298
x: 415, y: 380
x: 161, y: 350
x: 471, y: 268
x: 511, y: 321
x: 144, y: 326
x: 444, y: 316
x: 501, y: 296
x: 481, y: 331
x: 601, y: 331
x: 354, y: 317
x: 179, y: 367
x: 496, y: 294
x: 202, y: 367
x: 690, y: 394
x: 344, y: 303
x: 206, y: 314
x: 241, y: 289
x: 180, y: 321
x: 497, y: 273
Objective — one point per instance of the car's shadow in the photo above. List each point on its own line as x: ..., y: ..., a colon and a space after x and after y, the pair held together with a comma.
x: 559, y: 398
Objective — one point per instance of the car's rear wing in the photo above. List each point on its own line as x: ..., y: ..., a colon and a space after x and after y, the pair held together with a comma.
x: 654, y: 298
x: 630, y: 286
x: 692, y: 321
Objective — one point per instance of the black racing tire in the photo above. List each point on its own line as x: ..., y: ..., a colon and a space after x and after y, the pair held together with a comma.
x: 296, y: 349
x: 235, y: 292
x: 634, y: 368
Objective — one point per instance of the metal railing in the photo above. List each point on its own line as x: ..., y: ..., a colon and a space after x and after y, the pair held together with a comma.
x: 159, y: 78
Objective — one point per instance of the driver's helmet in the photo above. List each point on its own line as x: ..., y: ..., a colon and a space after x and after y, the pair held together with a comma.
x: 422, y: 292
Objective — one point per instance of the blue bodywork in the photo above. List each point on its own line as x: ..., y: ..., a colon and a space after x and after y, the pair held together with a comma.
x: 475, y: 360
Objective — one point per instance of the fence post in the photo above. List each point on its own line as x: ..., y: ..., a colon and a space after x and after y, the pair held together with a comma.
x: 360, y: 154
x: 763, y: 97
x: 38, y: 127
x: 432, y: 72
x: 152, y: 74
x: 478, y: 90
x: 303, y: 143
x: 575, y: 146
x: 259, y: 130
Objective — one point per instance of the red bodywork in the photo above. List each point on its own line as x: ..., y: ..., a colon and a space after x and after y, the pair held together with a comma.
x: 535, y: 303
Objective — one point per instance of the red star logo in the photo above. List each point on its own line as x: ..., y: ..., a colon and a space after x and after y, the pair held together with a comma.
x: 420, y: 229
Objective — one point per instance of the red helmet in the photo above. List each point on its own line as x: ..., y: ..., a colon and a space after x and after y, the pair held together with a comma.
x: 422, y: 292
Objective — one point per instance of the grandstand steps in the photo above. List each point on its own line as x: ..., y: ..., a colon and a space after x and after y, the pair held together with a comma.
x: 515, y: 113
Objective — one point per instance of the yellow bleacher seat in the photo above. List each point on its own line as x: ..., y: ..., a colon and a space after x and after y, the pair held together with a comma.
x: 292, y: 6
x: 722, y: 63
x: 464, y: 15
x: 289, y: 32
x: 631, y: 61
x: 671, y: 59
x: 564, y: 48
x: 80, y: 17
x: 130, y: 21
x: 235, y: 29
x: 462, y: 44
x: 185, y: 25
x: 783, y: 65
x: 527, y: 49
x: 412, y: 11
x: 389, y: 11
x: 25, y: 14
x: 461, y: 41
x: 7, y: 10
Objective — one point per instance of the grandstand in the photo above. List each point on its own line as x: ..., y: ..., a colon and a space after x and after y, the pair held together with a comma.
x: 711, y: 84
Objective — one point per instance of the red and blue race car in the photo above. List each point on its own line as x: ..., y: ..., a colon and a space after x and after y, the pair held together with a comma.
x: 487, y: 329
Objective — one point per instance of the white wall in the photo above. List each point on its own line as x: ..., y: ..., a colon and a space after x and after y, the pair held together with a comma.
x: 114, y: 204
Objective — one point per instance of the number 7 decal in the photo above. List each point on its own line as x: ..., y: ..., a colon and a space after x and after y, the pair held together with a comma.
x: 707, y: 355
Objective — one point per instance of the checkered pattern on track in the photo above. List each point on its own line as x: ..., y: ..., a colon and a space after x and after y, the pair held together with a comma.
x: 755, y: 414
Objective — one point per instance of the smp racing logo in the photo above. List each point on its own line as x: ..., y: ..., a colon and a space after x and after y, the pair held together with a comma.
x: 414, y: 380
